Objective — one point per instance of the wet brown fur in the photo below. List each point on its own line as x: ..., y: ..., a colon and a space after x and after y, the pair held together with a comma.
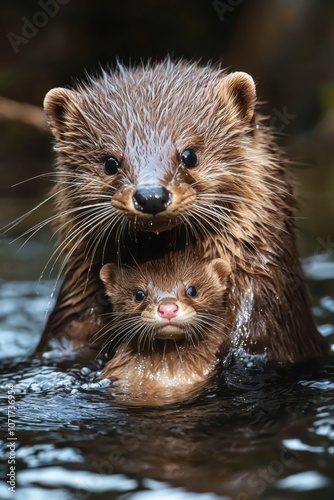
x: 236, y: 204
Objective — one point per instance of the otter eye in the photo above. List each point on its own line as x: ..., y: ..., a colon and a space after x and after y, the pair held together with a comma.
x: 111, y: 165
x: 191, y: 291
x: 140, y: 295
x: 189, y: 158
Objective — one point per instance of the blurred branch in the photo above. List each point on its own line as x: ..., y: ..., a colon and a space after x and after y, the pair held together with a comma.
x: 23, y: 113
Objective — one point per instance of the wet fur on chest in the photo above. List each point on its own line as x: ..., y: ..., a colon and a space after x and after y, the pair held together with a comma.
x: 157, y: 378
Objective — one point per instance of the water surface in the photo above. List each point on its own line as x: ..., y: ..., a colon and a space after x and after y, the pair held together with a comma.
x: 264, y: 434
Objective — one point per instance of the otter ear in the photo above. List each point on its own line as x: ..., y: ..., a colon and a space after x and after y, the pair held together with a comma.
x: 107, y: 274
x: 222, y: 268
x: 59, y: 104
x: 237, y: 93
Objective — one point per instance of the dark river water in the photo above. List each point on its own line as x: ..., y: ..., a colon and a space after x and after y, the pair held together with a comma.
x: 263, y: 434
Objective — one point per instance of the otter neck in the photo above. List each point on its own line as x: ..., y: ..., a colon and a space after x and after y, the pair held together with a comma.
x: 167, y: 374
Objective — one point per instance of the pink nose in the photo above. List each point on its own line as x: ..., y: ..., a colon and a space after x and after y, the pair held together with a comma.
x: 168, y: 311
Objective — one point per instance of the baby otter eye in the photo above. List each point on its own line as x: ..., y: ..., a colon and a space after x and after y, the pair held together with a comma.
x: 189, y: 158
x: 111, y: 165
x: 191, y: 291
x: 140, y: 295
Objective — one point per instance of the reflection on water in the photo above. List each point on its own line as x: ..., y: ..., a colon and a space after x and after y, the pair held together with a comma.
x: 23, y: 309
x: 264, y: 434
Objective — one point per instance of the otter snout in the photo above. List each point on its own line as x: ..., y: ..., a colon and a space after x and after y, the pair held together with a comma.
x: 152, y: 200
x: 168, y: 311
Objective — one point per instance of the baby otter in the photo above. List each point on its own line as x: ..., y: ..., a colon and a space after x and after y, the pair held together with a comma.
x: 169, y: 327
x: 154, y: 158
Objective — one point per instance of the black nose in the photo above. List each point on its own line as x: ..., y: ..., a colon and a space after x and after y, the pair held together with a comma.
x: 152, y: 200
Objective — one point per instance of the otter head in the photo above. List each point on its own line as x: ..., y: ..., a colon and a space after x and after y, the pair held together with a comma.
x: 166, y: 300
x: 147, y: 148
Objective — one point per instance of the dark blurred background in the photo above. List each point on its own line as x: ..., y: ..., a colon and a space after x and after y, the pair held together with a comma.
x: 286, y: 45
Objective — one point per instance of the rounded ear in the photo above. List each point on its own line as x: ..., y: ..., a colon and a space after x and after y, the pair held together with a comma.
x: 107, y: 274
x: 237, y: 92
x: 223, y: 268
x: 59, y: 104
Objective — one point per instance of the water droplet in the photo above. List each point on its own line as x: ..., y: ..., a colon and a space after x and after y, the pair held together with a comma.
x: 85, y: 371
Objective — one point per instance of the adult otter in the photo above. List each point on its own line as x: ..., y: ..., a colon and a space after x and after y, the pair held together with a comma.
x: 169, y: 328
x: 158, y: 157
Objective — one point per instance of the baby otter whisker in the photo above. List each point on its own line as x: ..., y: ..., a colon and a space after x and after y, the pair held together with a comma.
x: 209, y: 320
x: 123, y: 332
x: 178, y: 352
x: 146, y: 335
